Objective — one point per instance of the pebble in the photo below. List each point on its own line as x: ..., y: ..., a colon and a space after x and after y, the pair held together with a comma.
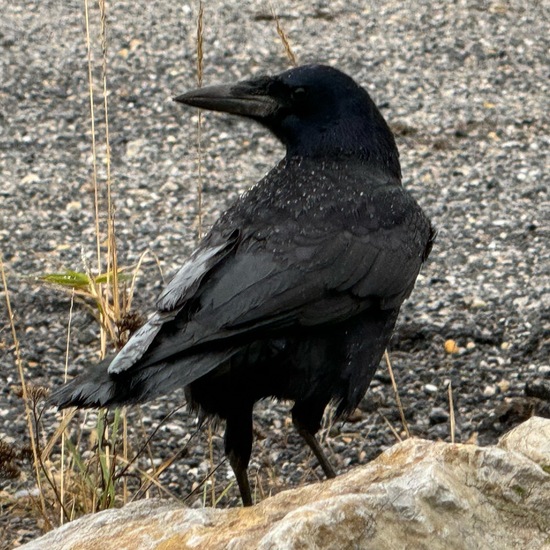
x: 477, y: 303
x: 438, y: 415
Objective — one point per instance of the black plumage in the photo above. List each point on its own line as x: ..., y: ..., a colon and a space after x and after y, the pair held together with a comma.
x: 295, y: 290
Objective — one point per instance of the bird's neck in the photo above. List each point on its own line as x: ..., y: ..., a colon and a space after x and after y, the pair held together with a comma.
x: 322, y: 172
x: 368, y: 145
x: 361, y: 160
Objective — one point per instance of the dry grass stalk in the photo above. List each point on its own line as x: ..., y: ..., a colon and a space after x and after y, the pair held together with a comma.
x: 112, y: 259
x: 396, y: 392
x: 64, y: 415
x: 211, y: 460
x: 284, y: 37
x: 200, y: 71
x: 452, y: 412
x: 392, y: 429
x: 92, y: 128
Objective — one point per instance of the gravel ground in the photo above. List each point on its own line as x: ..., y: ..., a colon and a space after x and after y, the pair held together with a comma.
x: 464, y: 86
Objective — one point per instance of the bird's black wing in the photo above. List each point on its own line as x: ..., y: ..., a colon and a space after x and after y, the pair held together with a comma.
x: 315, y: 275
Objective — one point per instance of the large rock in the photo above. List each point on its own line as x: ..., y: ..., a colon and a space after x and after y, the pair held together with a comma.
x: 416, y: 495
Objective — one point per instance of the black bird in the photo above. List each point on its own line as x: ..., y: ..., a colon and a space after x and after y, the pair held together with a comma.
x: 295, y: 290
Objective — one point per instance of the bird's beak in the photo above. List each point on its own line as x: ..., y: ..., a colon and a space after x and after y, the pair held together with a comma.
x: 249, y: 99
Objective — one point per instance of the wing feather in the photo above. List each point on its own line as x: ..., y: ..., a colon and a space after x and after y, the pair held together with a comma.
x: 245, y: 285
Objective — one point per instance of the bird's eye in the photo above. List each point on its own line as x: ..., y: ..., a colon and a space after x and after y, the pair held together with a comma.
x: 299, y: 94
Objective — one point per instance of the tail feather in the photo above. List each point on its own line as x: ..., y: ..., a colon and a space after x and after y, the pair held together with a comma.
x: 97, y: 388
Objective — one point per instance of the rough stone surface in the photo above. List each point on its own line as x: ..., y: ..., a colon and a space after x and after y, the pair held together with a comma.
x: 418, y: 494
x: 532, y: 439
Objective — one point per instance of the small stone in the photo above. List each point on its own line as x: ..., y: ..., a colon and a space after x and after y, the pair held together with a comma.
x: 503, y: 385
x: 355, y: 416
x: 489, y: 391
x: 477, y: 303
x: 450, y: 346
x: 438, y: 415
x: 30, y: 178
x: 430, y: 388
x: 74, y: 206
x: 134, y: 147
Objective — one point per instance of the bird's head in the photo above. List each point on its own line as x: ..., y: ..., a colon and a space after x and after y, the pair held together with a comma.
x: 315, y: 110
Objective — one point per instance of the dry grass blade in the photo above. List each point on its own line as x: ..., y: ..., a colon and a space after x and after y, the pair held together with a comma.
x: 211, y: 460
x: 396, y: 392
x: 148, y: 439
x: 92, y: 127
x: 103, y: 336
x: 452, y: 413
x: 284, y: 37
x: 200, y: 29
x: 393, y: 430
x: 152, y: 479
x: 65, y: 414
x: 112, y: 258
x: 52, y: 441
x: 130, y: 296
x: 206, y: 478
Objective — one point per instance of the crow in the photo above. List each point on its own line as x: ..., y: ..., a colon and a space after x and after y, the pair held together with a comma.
x: 294, y: 292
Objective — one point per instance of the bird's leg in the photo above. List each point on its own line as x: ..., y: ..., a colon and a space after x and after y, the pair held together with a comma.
x: 308, y: 430
x: 315, y: 446
x: 238, y: 447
